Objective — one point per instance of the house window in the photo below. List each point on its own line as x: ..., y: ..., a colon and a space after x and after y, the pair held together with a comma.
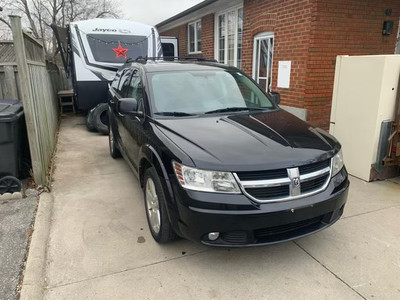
x: 228, y: 32
x: 194, y: 36
x: 262, y: 59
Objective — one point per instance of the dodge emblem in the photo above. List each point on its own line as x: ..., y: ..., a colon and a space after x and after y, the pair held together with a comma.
x: 296, y: 181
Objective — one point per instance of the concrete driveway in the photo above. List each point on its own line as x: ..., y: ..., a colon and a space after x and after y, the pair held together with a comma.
x: 100, y: 247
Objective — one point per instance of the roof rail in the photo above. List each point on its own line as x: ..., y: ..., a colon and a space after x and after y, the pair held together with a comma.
x: 144, y: 60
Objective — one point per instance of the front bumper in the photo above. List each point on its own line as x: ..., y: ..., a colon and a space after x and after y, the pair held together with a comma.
x: 242, y: 222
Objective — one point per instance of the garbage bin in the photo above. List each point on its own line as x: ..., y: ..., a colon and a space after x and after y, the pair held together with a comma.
x: 14, y: 149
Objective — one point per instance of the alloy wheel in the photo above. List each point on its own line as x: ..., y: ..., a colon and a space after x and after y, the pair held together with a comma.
x: 153, y: 206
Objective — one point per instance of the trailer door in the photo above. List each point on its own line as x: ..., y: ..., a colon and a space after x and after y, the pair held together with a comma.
x: 169, y: 46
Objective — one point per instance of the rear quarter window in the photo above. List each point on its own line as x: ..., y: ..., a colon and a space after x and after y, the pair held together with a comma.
x: 115, y: 82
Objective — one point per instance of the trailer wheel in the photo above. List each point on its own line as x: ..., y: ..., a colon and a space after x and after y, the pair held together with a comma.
x: 90, y: 123
x: 9, y: 184
x: 100, y: 116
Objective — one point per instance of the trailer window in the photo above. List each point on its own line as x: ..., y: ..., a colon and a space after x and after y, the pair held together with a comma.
x: 117, y: 48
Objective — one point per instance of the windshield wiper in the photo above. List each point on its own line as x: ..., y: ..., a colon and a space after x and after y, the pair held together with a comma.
x: 173, y: 113
x: 235, y: 108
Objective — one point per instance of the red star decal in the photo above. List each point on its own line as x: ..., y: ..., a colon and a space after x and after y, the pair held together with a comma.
x: 119, y: 51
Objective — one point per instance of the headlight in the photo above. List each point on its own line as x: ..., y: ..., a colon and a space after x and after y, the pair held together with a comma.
x: 337, y: 163
x: 206, y: 181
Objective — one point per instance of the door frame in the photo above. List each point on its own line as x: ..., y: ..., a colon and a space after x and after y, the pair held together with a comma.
x: 257, y: 38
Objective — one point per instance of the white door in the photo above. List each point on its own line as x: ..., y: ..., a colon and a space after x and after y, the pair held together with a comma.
x: 262, y: 59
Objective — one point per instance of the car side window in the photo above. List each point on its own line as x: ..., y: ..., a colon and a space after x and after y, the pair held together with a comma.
x: 123, y: 86
x: 116, y: 80
x: 136, y: 90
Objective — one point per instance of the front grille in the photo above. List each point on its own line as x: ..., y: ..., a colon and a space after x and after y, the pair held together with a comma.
x: 282, y: 229
x: 262, y: 175
x: 269, y: 192
x: 314, y: 166
x: 285, y: 184
x: 313, y: 184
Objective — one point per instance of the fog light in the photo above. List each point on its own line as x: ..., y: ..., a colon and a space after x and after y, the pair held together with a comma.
x: 212, y: 236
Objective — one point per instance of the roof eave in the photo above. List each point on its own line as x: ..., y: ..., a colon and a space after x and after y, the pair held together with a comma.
x: 186, y: 12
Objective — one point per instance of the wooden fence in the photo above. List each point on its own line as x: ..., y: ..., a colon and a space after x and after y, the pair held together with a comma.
x: 29, y: 81
x: 9, y: 81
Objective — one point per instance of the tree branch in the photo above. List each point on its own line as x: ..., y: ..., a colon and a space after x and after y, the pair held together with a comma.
x: 5, y: 22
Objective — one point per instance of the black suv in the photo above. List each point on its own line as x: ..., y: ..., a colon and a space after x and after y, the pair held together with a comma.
x: 218, y: 160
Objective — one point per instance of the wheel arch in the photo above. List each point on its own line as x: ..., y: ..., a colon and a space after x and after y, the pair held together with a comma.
x: 150, y: 158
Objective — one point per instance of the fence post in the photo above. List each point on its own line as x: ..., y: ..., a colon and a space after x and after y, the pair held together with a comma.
x: 26, y: 96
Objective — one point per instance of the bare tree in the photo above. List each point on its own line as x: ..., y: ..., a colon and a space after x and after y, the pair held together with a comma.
x: 5, y: 28
x: 38, y: 15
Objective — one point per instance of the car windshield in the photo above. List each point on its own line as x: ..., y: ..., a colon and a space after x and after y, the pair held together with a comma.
x: 181, y: 93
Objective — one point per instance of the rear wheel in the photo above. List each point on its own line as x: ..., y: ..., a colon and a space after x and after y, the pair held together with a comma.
x: 156, y: 211
x: 114, y: 151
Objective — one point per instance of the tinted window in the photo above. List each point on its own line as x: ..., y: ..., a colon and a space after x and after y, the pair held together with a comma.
x: 136, y: 91
x: 116, y: 80
x: 117, y: 48
x: 124, y: 83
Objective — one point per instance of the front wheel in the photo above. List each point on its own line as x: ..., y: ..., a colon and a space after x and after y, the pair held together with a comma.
x: 156, y: 211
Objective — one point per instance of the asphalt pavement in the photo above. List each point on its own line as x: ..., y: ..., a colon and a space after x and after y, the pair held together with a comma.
x: 16, y: 216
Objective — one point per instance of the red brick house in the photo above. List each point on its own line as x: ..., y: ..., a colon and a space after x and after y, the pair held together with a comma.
x: 289, y: 46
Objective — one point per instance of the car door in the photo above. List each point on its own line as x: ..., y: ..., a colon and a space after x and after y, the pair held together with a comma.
x: 114, y: 95
x: 121, y: 92
x: 133, y: 124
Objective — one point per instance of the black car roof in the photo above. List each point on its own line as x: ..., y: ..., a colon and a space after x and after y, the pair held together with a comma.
x: 186, y: 65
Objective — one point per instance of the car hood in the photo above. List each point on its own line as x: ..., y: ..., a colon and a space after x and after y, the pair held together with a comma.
x: 256, y: 141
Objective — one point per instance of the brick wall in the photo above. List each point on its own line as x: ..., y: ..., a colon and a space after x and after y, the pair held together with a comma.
x: 181, y: 33
x: 343, y: 27
x: 309, y: 33
x: 290, y: 21
x: 207, y: 37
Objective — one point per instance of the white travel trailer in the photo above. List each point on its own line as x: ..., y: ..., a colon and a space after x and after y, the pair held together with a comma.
x: 93, y: 50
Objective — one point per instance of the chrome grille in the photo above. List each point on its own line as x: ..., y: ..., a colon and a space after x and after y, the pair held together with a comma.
x: 293, y: 183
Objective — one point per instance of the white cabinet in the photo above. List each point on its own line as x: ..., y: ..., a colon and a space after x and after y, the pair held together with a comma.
x: 364, y: 95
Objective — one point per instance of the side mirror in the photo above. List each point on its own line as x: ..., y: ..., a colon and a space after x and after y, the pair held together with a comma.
x: 275, y: 96
x: 127, y: 106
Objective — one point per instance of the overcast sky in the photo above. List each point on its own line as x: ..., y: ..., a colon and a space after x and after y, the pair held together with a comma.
x: 153, y: 11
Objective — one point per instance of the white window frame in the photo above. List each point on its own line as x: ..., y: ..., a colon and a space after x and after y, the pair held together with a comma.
x: 196, y: 51
x: 216, y: 32
x: 256, y: 55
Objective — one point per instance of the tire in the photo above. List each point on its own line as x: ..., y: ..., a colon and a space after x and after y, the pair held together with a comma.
x: 9, y: 184
x: 114, y: 151
x: 156, y: 212
x: 100, y: 116
x: 90, y: 124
